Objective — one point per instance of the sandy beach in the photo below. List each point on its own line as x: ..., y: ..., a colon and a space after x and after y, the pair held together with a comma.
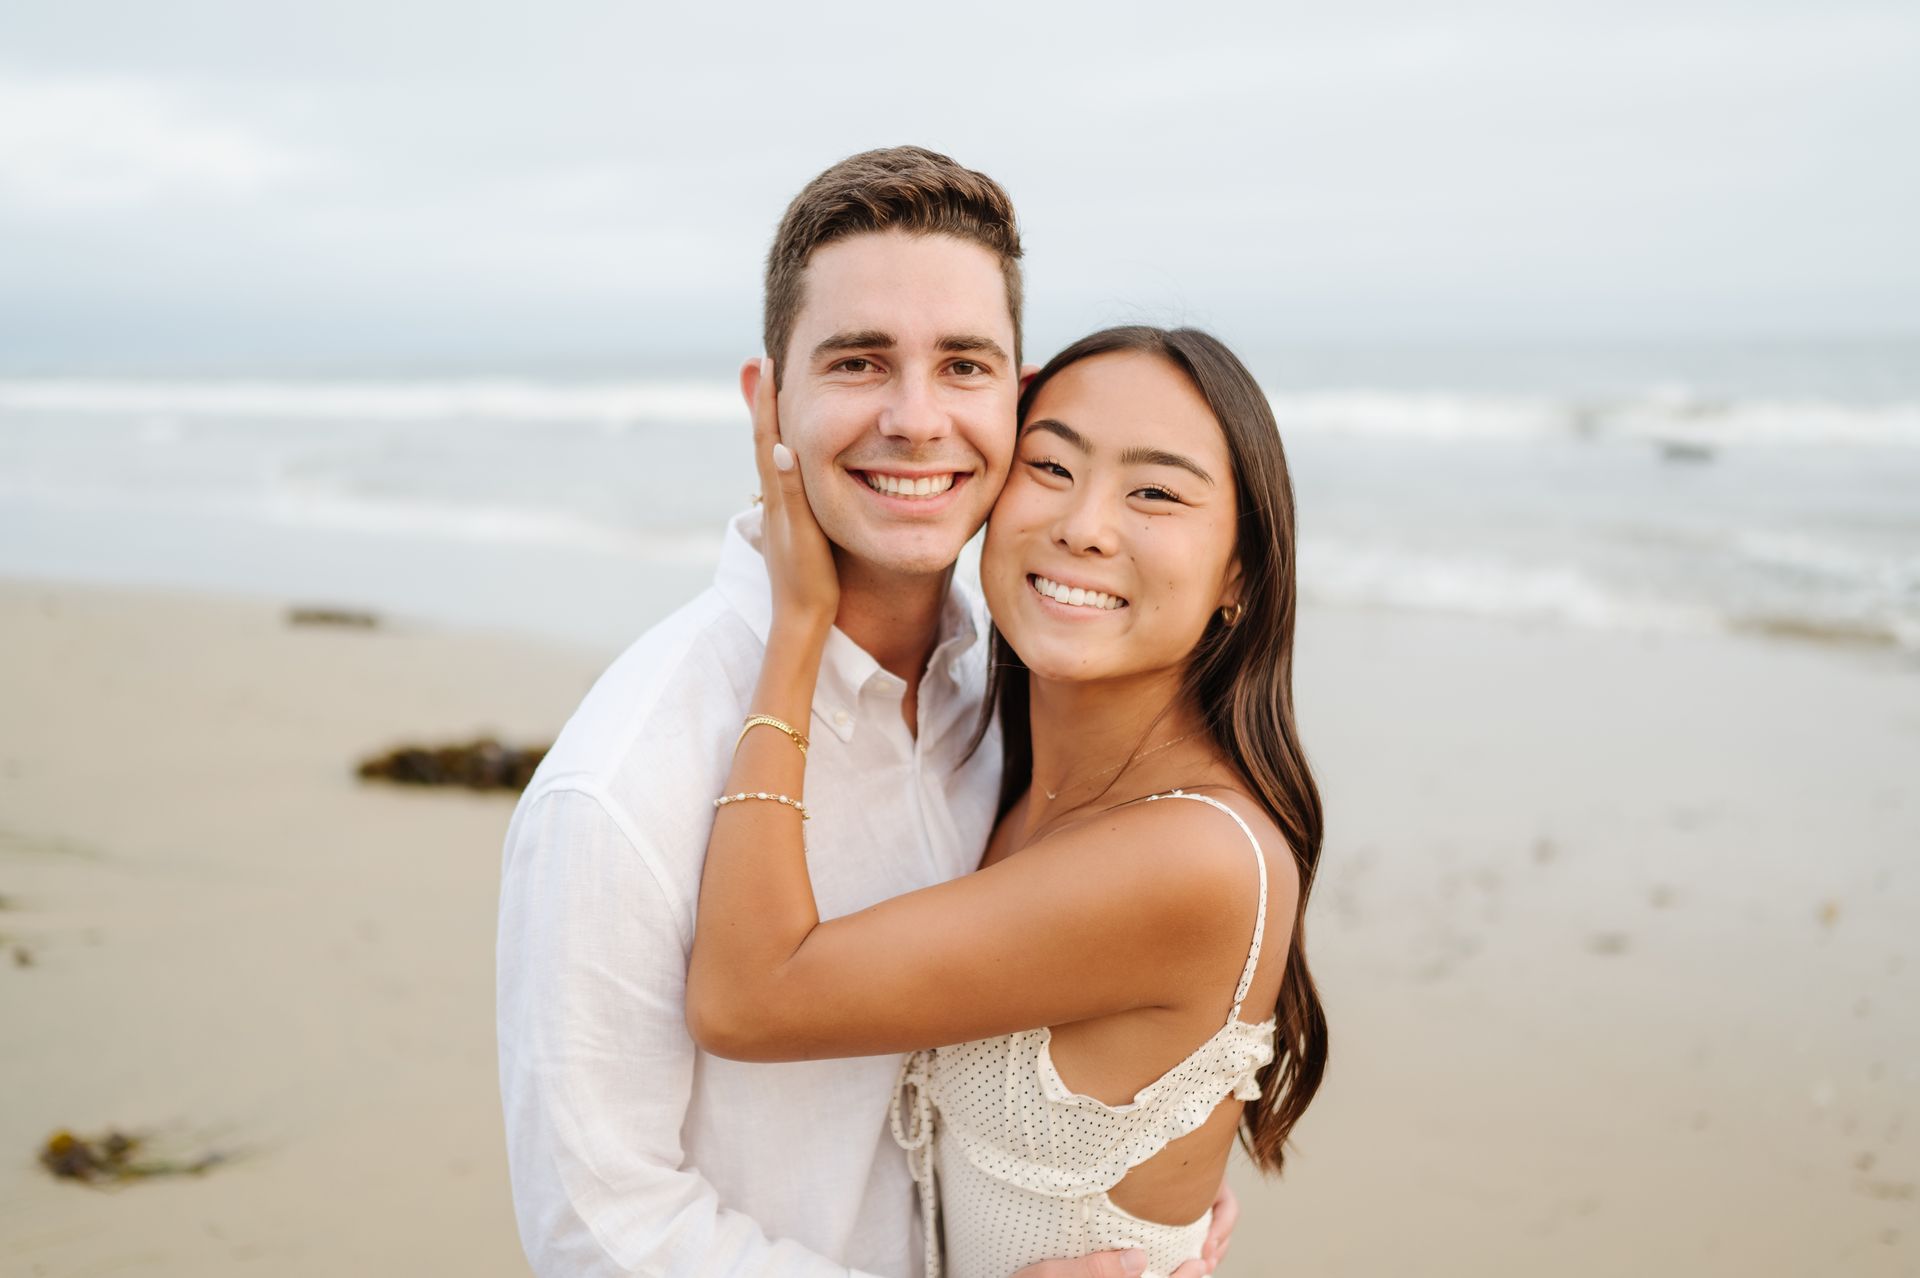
x: 1615, y: 933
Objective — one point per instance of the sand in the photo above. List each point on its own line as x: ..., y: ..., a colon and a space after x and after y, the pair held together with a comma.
x: 1614, y: 932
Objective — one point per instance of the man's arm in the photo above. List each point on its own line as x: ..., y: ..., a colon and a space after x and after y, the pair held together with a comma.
x: 596, y: 1066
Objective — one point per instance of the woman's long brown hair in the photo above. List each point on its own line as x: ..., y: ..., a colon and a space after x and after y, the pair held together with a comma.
x: 1240, y: 680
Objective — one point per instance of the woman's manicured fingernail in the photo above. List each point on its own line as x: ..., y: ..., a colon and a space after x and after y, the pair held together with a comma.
x: 782, y: 457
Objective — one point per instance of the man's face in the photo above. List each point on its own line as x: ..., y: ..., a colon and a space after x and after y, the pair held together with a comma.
x: 899, y: 393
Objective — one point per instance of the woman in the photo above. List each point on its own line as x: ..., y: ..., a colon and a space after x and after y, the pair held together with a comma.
x: 1158, y: 821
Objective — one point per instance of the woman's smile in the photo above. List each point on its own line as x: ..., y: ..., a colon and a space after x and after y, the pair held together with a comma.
x: 1080, y: 599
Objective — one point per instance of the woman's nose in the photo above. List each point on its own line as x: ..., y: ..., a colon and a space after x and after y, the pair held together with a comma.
x: 1084, y: 526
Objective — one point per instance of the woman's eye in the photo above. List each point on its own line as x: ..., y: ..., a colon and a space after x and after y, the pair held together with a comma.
x: 1053, y: 468
x: 1157, y: 493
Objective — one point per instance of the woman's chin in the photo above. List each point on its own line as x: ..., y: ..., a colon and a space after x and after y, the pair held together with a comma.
x: 1056, y: 662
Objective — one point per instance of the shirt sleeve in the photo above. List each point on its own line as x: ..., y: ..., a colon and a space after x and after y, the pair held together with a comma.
x: 596, y: 1065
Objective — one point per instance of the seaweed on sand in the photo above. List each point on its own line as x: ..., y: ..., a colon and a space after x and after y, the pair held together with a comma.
x: 114, y: 1156
x: 352, y: 618
x: 484, y: 764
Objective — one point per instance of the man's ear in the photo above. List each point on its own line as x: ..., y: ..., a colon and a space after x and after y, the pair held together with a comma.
x: 750, y: 381
x: 1027, y: 372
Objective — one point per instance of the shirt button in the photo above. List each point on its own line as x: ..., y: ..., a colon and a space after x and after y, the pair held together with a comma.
x: 841, y: 719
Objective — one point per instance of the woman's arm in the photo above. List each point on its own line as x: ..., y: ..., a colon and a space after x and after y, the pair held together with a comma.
x: 755, y: 909
x: 1123, y: 912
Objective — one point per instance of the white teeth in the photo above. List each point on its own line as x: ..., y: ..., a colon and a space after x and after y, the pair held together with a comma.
x: 1076, y: 596
x: 900, y: 486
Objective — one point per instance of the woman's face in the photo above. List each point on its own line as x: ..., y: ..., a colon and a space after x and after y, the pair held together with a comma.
x: 1114, y: 540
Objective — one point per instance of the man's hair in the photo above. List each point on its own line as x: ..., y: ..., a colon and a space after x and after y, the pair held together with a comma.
x: 899, y: 188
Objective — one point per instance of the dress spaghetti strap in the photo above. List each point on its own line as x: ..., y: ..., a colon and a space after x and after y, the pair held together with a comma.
x: 1260, y: 919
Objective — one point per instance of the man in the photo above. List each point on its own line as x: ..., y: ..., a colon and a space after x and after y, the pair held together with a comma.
x: 892, y: 319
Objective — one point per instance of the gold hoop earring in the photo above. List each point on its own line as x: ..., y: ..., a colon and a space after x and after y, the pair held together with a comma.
x: 1230, y: 614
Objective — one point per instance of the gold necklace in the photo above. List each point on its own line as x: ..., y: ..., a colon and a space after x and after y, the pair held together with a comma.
x: 1054, y: 794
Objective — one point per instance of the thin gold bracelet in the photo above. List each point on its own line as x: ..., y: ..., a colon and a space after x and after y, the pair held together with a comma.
x: 754, y: 721
x: 795, y: 804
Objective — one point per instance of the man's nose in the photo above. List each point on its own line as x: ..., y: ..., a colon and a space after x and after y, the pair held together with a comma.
x: 913, y: 412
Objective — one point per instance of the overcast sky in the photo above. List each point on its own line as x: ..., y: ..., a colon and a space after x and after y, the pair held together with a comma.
x: 266, y: 184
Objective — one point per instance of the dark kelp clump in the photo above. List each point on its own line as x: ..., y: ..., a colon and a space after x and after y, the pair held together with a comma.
x: 351, y: 618
x: 113, y: 1157
x: 484, y: 764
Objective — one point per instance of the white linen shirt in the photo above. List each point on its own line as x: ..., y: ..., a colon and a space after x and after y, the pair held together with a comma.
x: 630, y: 1149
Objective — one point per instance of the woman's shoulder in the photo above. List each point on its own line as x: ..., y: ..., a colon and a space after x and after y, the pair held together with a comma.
x: 1181, y: 851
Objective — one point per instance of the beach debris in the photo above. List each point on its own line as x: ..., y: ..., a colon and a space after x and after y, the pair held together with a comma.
x: 1886, y: 1190
x: 1660, y: 896
x: 1609, y: 943
x: 352, y: 618
x: 22, y: 956
x: 1685, y: 450
x: 1829, y: 913
x: 483, y: 764
x: 1544, y: 850
x: 113, y: 1156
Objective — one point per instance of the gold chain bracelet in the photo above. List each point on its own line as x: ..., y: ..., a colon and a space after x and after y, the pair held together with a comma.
x: 767, y: 720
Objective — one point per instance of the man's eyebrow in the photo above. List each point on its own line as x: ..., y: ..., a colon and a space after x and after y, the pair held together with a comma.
x: 1136, y: 456
x: 961, y: 342
x: 866, y: 339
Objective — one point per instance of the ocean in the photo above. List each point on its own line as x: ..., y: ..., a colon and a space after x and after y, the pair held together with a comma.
x: 1769, y: 489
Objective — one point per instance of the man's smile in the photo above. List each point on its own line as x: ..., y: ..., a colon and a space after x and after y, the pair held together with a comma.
x: 900, y: 485
x: 920, y: 491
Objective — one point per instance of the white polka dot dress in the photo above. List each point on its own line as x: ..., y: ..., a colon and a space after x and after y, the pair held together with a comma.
x: 1014, y: 1168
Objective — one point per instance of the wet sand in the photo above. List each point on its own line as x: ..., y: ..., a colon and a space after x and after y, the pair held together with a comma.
x: 1614, y: 933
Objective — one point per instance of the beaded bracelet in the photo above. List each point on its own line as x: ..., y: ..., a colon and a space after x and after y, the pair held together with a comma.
x: 795, y: 804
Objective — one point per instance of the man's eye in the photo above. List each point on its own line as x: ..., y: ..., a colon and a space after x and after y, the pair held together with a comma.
x: 858, y: 364
x: 968, y: 368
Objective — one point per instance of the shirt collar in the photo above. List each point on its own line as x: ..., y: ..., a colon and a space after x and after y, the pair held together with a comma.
x: 845, y: 667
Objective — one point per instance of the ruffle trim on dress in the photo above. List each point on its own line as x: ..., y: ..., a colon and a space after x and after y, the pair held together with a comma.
x: 1236, y: 1051
x: 1173, y: 1105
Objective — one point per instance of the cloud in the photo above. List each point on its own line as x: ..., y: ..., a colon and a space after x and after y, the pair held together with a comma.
x: 585, y: 175
x: 104, y: 144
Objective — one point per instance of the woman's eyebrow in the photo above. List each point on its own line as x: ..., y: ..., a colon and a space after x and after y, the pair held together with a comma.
x: 1161, y: 457
x: 1137, y: 456
x: 1059, y: 428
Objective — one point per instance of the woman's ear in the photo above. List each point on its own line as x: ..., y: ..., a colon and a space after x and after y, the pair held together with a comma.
x: 1027, y: 374
x: 1230, y: 588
